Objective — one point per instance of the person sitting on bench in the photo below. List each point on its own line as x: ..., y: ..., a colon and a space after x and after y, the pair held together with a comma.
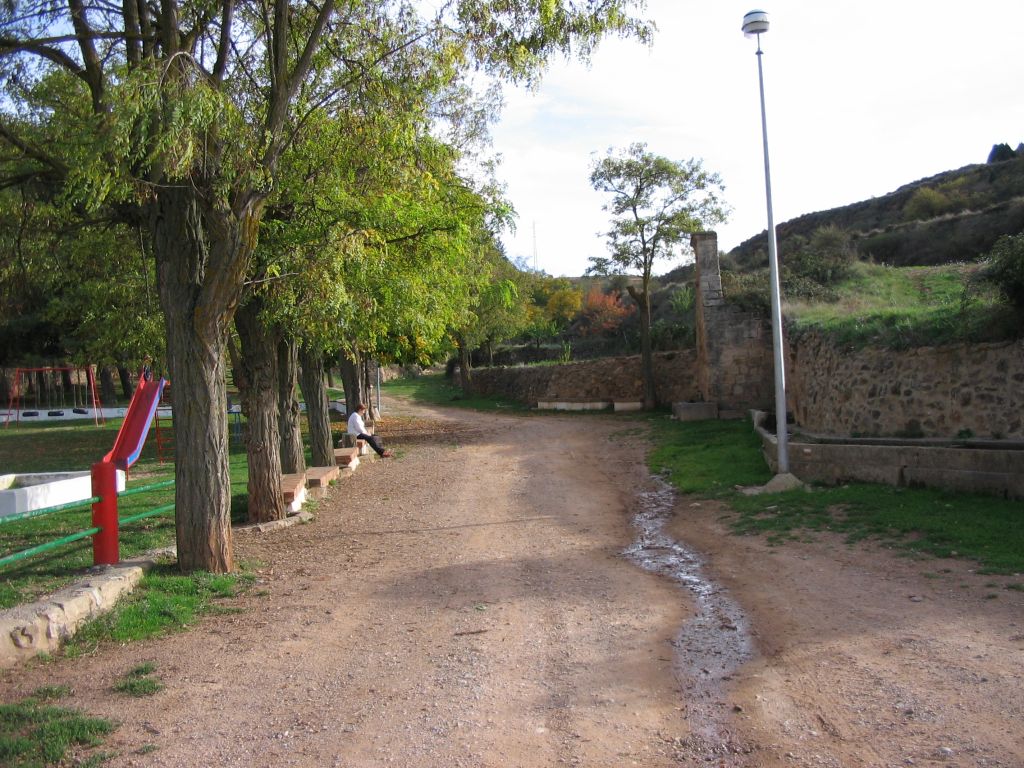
x: 357, y: 429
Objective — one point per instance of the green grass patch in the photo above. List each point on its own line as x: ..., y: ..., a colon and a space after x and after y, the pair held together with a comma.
x: 936, y: 522
x: 900, y: 308
x: 75, y: 446
x: 139, y: 681
x: 710, y: 458
x: 707, y: 458
x: 164, y: 602
x: 436, y: 389
x: 35, y: 734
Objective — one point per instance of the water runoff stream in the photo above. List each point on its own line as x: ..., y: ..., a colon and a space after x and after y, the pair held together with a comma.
x: 715, y: 642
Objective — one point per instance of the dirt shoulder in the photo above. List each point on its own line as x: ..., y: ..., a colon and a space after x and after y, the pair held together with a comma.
x: 866, y: 656
x: 469, y: 604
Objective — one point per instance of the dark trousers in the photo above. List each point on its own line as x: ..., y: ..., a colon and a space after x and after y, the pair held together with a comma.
x: 373, y: 443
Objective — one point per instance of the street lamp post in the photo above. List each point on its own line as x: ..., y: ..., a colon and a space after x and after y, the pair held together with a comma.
x: 754, y: 23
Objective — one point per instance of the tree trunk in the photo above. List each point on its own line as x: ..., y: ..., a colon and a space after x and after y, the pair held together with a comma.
x: 108, y: 393
x: 642, y: 299
x: 67, y: 385
x: 369, y: 373
x: 259, y: 403
x: 465, y: 368
x: 200, y: 283
x: 330, y: 376
x: 293, y: 454
x: 236, y: 364
x: 316, y: 408
x: 127, y: 382
x: 351, y: 380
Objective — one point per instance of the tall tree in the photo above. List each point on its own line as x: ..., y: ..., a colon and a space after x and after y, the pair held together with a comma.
x: 179, y: 114
x: 655, y: 203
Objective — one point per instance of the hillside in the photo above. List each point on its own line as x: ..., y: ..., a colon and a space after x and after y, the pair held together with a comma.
x: 950, y: 217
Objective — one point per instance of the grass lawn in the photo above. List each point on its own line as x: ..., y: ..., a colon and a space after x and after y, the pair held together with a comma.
x: 74, y: 446
x: 903, y: 307
x: 436, y: 389
x: 710, y: 458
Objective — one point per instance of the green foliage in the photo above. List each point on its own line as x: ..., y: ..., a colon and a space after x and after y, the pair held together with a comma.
x: 747, y: 290
x: 926, y: 203
x: 826, y: 259
x: 654, y: 203
x: 1006, y: 268
x: 682, y: 299
x: 33, y: 734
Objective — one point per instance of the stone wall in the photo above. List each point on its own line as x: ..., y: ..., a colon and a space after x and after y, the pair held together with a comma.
x: 607, y: 379
x: 940, y: 392
x: 929, y: 391
x: 734, y: 348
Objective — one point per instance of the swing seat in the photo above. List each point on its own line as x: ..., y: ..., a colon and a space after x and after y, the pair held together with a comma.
x: 55, y: 413
x: 30, y: 413
x: 79, y: 410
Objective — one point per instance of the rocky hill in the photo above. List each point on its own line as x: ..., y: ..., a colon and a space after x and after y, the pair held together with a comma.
x: 952, y: 216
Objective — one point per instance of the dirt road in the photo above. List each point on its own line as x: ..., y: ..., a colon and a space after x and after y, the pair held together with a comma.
x: 485, y: 599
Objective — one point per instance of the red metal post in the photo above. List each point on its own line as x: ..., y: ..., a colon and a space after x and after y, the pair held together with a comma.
x: 106, y: 548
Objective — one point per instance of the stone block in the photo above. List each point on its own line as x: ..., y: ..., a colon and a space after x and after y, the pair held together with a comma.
x: 347, y: 457
x: 695, y: 411
x: 628, y: 405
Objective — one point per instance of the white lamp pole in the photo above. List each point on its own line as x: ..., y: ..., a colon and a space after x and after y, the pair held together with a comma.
x: 754, y: 23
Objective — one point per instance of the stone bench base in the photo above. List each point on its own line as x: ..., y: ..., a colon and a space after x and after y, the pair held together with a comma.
x: 347, y: 457
x: 318, y: 479
x: 293, y: 488
x: 569, y: 405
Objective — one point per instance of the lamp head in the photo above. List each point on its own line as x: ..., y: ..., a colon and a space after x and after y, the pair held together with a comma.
x: 754, y: 23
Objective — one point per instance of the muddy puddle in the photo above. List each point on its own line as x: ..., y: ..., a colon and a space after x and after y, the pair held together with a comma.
x: 716, y: 641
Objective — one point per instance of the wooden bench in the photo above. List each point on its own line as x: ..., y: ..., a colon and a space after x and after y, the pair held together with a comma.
x: 293, y: 488
x: 347, y: 457
x: 318, y: 479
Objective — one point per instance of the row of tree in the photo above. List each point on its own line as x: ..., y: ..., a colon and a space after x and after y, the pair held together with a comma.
x: 295, y: 171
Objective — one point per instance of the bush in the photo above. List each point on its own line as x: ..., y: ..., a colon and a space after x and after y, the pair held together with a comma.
x: 1006, y: 268
x: 826, y: 259
x: 926, y: 203
x: 747, y: 290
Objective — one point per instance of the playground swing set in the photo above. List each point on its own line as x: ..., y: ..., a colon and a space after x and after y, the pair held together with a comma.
x: 51, y: 389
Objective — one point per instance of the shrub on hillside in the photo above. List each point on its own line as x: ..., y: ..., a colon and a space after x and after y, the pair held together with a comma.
x: 1006, y: 268
x: 747, y: 290
x: 926, y: 203
x: 826, y: 259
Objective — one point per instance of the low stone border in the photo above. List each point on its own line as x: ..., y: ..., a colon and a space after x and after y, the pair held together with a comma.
x: 40, y: 627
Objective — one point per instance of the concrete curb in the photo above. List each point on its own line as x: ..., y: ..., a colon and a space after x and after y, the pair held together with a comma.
x: 29, y: 630
x: 41, y: 627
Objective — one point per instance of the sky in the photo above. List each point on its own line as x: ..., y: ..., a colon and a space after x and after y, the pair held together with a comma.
x: 861, y: 98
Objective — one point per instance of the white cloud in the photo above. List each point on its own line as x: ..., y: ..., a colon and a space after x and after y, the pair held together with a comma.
x: 861, y: 98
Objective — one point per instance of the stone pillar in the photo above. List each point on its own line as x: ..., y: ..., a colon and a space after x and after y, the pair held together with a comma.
x: 708, y: 278
x: 734, y: 363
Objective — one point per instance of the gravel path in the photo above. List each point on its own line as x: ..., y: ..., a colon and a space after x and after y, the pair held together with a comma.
x: 469, y: 603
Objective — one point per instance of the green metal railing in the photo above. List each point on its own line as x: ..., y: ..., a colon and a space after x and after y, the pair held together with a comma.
x: 93, y: 501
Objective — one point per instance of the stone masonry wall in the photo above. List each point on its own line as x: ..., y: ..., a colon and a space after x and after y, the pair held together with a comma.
x: 592, y: 380
x: 929, y: 391
x: 734, y: 348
